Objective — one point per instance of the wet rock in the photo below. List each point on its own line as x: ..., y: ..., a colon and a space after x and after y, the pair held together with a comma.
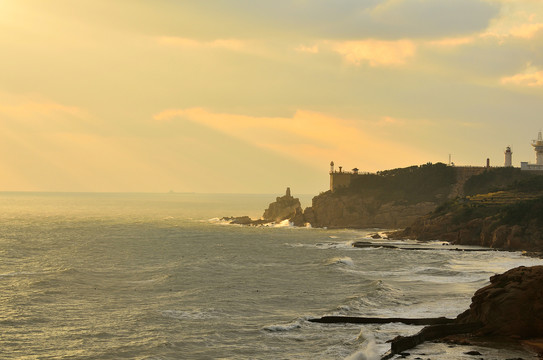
x: 241, y: 220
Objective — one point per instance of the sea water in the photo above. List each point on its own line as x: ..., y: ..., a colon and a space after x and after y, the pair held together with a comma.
x: 159, y: 276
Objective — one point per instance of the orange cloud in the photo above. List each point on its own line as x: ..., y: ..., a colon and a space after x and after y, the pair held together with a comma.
x: 310, y: 137
x: 376, y: 52
x: 452, y: 42
x: 526, y: 31
x: 529, y: 78
x: 28, y: 109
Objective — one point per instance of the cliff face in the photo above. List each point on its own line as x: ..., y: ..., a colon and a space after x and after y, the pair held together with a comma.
x: 388, y: 199
x: 356, y: 211
x: 517, y: 226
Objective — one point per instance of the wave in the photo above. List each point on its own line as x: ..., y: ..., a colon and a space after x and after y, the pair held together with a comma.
x: 158, y: 279
x: 284, y: 327
x: 368, y: 349
x: 38, y: 273
x: 347, y: 245
x: 282, y: 224
x: 188, y: 314
x: 340, y: 261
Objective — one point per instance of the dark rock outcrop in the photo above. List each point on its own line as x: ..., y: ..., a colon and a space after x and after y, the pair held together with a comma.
x: 511, y: 306
x: 284, y: 207
x: 492, y: 226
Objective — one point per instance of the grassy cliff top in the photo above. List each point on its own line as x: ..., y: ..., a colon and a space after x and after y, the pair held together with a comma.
x: 414, y: 184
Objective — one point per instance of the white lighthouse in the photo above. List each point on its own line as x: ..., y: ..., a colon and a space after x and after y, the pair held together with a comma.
x: 538, y: 147
x: 508, y: 157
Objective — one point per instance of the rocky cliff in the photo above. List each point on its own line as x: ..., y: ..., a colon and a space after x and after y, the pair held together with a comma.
x: 284, y: 207
x: 504, y: 220
x: 512, y: 305
x: 507, y: 310
x: 388, y: 199
x: 357, y: 211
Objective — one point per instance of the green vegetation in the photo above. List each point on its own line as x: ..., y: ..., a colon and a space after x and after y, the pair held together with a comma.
x: 428, y: 182
x: 529, y: 184
x: 523, y: 212
x: 506, y: 207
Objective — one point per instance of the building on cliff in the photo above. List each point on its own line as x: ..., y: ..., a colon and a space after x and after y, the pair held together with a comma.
x: 340, y: 178
x: 538, y: 148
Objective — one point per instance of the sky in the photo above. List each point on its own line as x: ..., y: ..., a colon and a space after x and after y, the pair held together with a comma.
x: 252, y: 96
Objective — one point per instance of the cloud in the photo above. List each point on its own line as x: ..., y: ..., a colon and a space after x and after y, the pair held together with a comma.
x: 31, y: 109
x: 230, y: 44
x: 452, y: 42
x: 314, y: 49
x: 530, y: 78
x: 34, y: 113
x: 325, y: 19
x: 526, y: 31
x: 310, y: 137
x: 436, y: 18
x: 517, y: 19
x: 376, y: 52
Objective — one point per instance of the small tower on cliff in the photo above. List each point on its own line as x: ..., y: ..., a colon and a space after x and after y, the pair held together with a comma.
x: 288, y: 192
x: 508, y: 157
x: 538, y: 147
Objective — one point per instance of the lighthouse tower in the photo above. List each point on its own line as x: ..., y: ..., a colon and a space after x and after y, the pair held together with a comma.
x: 508, y: 157
x: 538, y: 147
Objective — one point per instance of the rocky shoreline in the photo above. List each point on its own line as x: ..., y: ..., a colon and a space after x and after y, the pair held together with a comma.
x: 516, y: 227
x: 509, y: 309
x: 487, y: 221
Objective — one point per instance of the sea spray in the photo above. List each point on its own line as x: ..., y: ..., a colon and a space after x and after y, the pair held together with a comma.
x: 368, y: 349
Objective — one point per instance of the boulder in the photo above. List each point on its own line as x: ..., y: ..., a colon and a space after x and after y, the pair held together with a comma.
x: 511, y: 306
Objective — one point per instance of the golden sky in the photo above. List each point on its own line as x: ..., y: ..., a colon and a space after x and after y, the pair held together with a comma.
x: 245, y: 96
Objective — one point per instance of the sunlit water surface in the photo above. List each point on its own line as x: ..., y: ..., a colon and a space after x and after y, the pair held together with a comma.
x: 157, y: 276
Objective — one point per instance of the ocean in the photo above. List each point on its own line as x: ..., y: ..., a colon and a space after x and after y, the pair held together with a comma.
x: 159, y: 276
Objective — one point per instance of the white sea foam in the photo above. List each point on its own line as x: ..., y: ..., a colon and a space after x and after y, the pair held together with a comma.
x: 284, y: 327
x: 284, y: 223
x: 347, y: 245
x: 368, y: 350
